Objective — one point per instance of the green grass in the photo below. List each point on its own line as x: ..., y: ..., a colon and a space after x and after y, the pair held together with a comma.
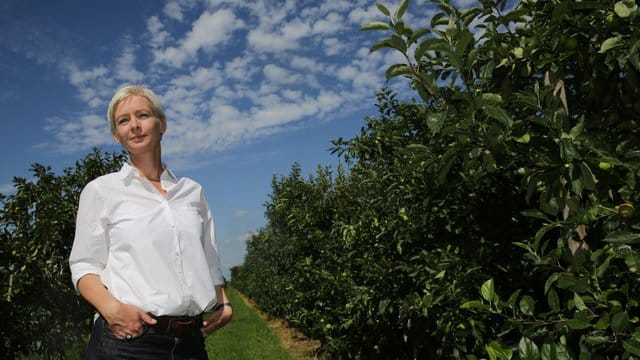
x: 245, y: 337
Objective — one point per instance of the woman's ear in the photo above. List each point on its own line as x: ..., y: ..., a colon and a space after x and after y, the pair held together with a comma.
x: 116, y: 138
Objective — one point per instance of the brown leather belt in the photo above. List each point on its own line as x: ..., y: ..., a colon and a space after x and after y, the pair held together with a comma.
x: 178, y: 326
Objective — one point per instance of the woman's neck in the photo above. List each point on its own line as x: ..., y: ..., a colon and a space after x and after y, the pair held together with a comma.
x: 149, y: 165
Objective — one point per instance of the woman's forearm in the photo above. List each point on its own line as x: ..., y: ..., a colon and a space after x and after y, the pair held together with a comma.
x: 91, y: 288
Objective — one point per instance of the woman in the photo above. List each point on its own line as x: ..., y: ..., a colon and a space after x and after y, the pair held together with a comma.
x: 144, y: 254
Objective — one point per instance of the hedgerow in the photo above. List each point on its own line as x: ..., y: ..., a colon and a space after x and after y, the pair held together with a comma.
x: 493, y: 215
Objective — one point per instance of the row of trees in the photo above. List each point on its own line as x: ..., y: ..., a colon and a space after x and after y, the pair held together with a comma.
x: 40, y: 310
x: 492, y: 216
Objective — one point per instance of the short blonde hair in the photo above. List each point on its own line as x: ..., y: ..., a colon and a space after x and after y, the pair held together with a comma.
x: 129, y: 90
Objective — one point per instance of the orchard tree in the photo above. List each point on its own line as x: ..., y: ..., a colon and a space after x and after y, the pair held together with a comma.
x: 491, y: 215
x: 41, y: 312
x: 546, y: 92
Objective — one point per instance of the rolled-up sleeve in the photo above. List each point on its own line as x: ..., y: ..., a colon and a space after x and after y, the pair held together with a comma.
x: 210, y: 245
x: 89, y: 252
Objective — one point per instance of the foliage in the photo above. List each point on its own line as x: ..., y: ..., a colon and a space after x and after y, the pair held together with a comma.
x: 41, y: 312
x: 494, y: 215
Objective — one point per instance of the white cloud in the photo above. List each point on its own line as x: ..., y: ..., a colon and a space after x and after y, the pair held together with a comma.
x: 295, y: 30
x: 265, y: 41
x: 125, y: 68
x: 92, y: 84
x: 334, y: 46
x: 240, y: 213
x: 81, y: 133
x: 227, y: 80
x: 158, y: 34
x: 242, y: 238
x: 464, y: 4
x: 80, y: 78
x: 175, y: 9
x: 331, y: 24
x: 305, y: 63
x: 7, y: 189
x: 293, y: 95
x: 279, y: 75
x: 209, y: 30
x: 361, y: 15
x: 240, y: 68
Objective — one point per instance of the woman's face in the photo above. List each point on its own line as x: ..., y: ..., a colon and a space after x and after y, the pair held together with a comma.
x: 136, y: 128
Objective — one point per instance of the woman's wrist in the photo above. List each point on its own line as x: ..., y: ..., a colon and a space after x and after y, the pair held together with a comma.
x: 219, y: 306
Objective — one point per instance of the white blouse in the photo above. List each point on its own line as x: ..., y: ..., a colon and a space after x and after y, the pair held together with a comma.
x: 155, y: 251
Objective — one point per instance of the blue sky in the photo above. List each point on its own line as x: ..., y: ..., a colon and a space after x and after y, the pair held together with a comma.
x: 249, y: 87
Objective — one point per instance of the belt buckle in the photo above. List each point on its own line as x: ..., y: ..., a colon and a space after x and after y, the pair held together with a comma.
x: 181, y: 327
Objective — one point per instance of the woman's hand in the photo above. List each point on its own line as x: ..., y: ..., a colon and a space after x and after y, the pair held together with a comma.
x: 216, y: 320
x: 126, y: 321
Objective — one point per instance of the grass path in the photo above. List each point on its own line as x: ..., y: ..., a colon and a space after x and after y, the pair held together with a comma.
x: 251, y: 335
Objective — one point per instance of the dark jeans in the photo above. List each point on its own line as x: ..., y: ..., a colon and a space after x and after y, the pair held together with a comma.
x: 149, y: 345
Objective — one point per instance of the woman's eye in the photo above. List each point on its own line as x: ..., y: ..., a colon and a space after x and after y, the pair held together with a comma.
x: 121, y: 121
x: 144, y: 115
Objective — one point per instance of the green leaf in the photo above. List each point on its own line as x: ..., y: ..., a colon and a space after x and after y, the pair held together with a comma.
x: 535, y: 213
x: 603, y: 322
x: 398, y: 43
x: 632, y: 346
x: 439, y: 19
x: 610, y: 43
x: 566, y: 281
x: 623, y: 237
x: 576, y: 130
x: 375, y: 25
x: 579, y: 321
x: 469, y: 15
x: 511, y: 302
x: 579, y: 302
x: 567, y: 150
x: 444, y: 170
x: 553, y: 300
x: 425, y: 45
x: 540, y: 234
x: 588, y: 178
x: 401, y: 9
x: 524, y: 139
x: 619, y: 322
x: 528, y: 350
x: 489, y: 99
x: 474, y: 304
x: 397, y: 70
x: 381, y: 44
x: 499, y: 114
x: 435, y: 121
x: 464, y: 39
x: 419, y: 148
x: 487, y: 290
x: 554, y: 352
x: 625, y: 8
x: 417, y: 35
x: 601, y: 270
x: 596, y: 340
x: 383, y: 9
x: 632, y: 259
x: 527, y: 305
x: 496, y: 351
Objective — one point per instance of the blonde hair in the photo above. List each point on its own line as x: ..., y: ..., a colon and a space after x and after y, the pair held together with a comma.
x: 129, y: 90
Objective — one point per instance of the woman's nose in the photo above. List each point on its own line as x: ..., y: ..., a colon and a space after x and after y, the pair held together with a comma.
x: 135, y: 123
